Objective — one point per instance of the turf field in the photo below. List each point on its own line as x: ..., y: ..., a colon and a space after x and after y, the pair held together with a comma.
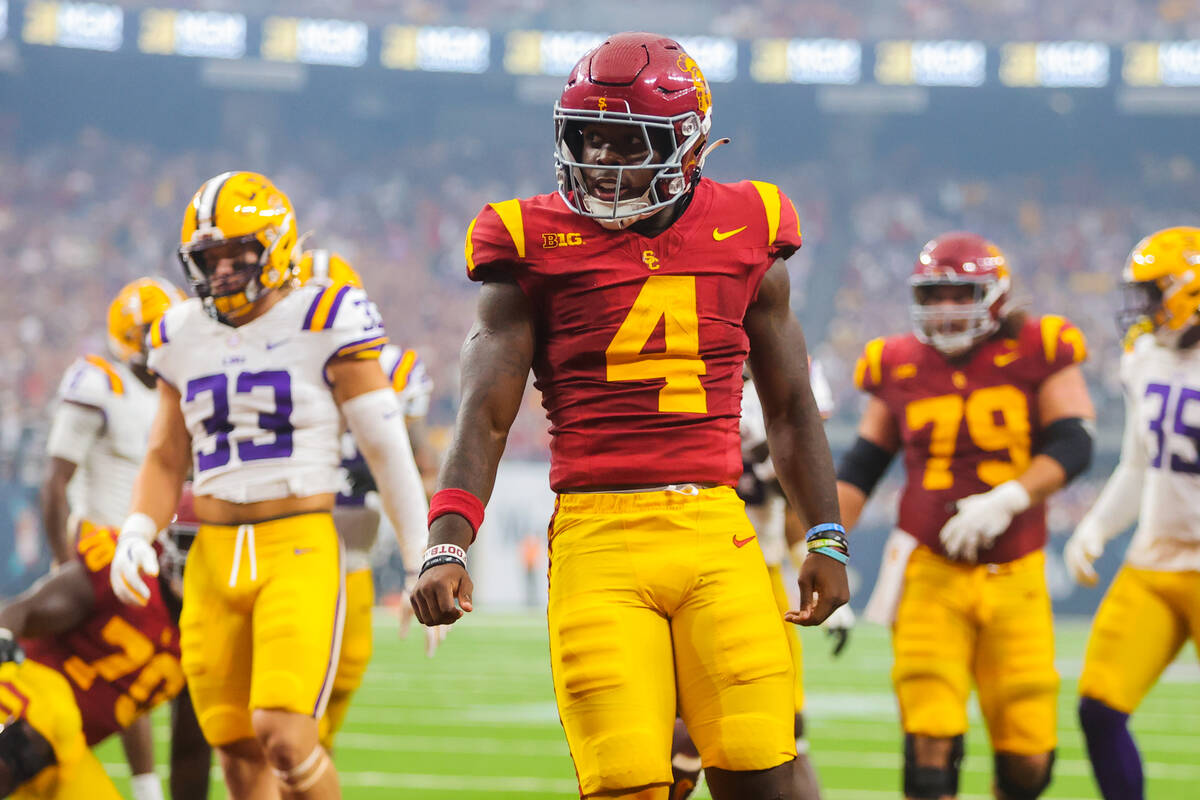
x: 478, y: 721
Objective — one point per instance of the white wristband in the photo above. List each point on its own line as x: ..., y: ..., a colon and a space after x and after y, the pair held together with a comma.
x: 5, y: 633
x: 140, y: 525
x: 445, y: 550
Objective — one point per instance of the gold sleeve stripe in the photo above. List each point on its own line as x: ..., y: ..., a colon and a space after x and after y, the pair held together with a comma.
x: 870, y: 362
x: 769, y: 193
x: 403, y: 368
x: 362, y: 349
x: 320, y: 311
x: 114, y: 380
x: 469, y: 247
x: 1052, y: 325
x: 510, y: 214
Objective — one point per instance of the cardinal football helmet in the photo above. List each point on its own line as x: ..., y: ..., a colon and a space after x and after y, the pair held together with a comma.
x: 325, y: 268
x: 1161, y: 284
x: 959, y: 259
x: 237, y: 208
x: 136, y: 307
x: 646, y: 82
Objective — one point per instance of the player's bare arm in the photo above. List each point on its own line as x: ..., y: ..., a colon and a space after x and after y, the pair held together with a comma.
x: 54, y: 507
x: 879, y: 430
x: 53, y: 605
x: 1063, y: 396
x: 496, y: 358
x: 168, y: 459
x: 803, y: 462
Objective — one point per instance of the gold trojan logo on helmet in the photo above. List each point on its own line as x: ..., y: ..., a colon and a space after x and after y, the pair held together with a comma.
x: 325, y: 268
x: 136, y: 307
x: 237, y: 218
x: 1161, y: 282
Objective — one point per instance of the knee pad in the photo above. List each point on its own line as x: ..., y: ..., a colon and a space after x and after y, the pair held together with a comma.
x: 931, y: 783
x: 25, y: 751
x: 1014, y: 785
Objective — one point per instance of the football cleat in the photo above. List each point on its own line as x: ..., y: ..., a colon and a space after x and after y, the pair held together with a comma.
x: 1160, y: 288
x: 960, y: 260
x: 648, y: 84
x: 136, y: 307
x: 238, y: 217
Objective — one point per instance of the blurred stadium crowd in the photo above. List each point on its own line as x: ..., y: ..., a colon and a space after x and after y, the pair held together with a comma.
x: 989, y: 20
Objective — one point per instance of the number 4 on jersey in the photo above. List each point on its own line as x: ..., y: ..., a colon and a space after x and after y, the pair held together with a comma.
x: 672, y: 299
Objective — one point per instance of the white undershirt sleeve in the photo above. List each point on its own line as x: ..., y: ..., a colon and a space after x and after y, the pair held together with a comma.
x: 376, y: 421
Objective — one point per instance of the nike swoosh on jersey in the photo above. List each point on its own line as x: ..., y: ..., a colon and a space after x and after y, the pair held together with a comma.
x: 720, y: 236
x: 273, y: 345
x: 1004, y: 359
x: 741, y: 542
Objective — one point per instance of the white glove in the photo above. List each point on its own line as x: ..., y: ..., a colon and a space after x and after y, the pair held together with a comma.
x: 434, y: 634
x: 1083, y: 548
x: 838, y: 626
x: 981, y: 518
x: 134, y: 555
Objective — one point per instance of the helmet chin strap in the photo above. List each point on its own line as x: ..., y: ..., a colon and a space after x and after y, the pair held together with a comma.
x: 594, y: 206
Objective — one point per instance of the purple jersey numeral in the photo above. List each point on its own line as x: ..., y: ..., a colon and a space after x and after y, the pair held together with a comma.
x: 218, y: 386
x: 277, y: 421
x: 1178, y: 463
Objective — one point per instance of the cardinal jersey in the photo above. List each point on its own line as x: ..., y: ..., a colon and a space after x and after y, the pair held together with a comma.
x: 102, y: 425
x: 640, y: 340
x: 123, y: 660
x: 968, y: 425
x: 1162, y: 386
x: 256, y: 398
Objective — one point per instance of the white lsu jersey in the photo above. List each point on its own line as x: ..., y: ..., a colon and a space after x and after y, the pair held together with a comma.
x: 102, y: 425
x: 1162, y: 439
x: 256, y: 398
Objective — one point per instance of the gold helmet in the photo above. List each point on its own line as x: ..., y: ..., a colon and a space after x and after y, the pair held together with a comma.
x: 136, y: 307
x: 237, y: 216
x: 1161, y: 283
x: 325, y: 268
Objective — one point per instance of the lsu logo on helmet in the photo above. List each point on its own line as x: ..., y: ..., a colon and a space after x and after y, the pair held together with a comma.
x: 1161, y: 283
x: 238, y: 218
x: 136, y: 307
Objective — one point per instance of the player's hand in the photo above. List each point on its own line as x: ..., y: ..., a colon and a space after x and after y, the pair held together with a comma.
x: 134, y: 557
x: 823, y: 587
x: 434, y: 634
x: 437, y: 590
x: 838, y: 626
x: 10, y: 650
x: 1083, y: 548
x: 981, y: 518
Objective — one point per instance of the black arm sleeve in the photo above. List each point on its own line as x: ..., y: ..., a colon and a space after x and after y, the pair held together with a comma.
x: 1069, y: 442
x: 864, y: 464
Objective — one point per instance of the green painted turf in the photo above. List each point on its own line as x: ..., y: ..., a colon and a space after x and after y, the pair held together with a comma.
x: 478, y: 721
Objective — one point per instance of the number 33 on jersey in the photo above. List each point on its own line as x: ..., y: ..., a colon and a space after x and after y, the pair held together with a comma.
x: 642, y: 342
x: 256, y: 398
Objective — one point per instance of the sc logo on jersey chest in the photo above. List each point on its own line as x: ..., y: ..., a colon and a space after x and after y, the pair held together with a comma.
x: 553, y: 240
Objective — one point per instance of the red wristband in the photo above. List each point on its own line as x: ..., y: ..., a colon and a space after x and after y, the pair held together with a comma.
x: 457, y: 501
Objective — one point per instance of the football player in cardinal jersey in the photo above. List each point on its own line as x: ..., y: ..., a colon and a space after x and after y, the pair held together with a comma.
x: 1153, y: 606
x: 356, y: 511
x: 255, y: 379
x: 96, y: 443
x: 77, y: 665
x: 635, y: 293
x: 991, y: 410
